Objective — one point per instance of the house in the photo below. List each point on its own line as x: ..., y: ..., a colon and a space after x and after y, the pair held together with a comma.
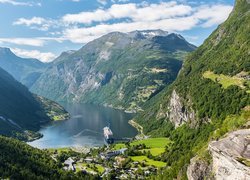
x: 69, y: 164
x: 89, y: 160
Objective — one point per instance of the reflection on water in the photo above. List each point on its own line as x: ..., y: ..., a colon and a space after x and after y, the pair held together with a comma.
x: 85, y: 127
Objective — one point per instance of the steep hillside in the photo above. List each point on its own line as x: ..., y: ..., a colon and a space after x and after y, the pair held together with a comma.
x: 210, y: 97
x: 25, y: 70
x: 22, y: 113
x: 20, y: 161
x: 119, y: 70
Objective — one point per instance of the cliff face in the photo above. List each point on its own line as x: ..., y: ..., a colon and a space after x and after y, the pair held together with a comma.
x: 230, y: 159
x: 199, y: 169
x: 178, y: 113
x: 231, y: 156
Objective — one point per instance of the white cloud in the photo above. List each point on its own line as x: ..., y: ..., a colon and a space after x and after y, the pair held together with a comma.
x: 131, y: 11
x: 23, y: 41
x: 119, y: 1
x: 37, y: 23
x: 37, y: 42
x: 42, y: 56
x: 83, y: 35
x: 29, y: 22
x: 170, y: 16
x: 167, y: 16
x: 213, y: 15
x: 18, y: 3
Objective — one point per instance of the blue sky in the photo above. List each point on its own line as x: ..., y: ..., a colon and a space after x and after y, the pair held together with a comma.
x: 44, y: 28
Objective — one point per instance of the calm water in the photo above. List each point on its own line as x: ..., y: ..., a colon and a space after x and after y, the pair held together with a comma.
x: 85, y: 128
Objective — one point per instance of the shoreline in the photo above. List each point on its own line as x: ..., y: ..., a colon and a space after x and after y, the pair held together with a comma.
x: 37, y: 134
x: 139, y: 129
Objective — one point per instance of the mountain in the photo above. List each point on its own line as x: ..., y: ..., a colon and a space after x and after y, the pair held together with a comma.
x: 121, y: 70
x: 21, y: 112
x: 210, y: 97
x: 25, y: 70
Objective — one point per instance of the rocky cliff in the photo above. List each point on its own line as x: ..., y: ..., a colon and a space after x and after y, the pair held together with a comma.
x: 178, y: 112
x: 231, y: 156
x: 230, y: 159
x: 199, y: 169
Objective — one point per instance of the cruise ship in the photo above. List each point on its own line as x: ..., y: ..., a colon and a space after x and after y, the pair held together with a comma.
x: 108, y: 135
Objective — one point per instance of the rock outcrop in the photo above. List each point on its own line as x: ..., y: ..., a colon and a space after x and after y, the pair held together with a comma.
x: 178, y: 112
x: 199, y: 169
x: 231, y: 156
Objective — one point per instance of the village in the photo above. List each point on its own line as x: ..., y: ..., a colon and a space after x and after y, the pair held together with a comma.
x: 136, y: 159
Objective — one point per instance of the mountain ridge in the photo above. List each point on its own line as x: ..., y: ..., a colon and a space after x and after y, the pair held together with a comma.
x: 21, y: 112
x: 95, y: 72
x: 25, y: 70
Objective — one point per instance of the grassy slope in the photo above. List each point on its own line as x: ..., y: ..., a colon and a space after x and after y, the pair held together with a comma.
x: 148, y: 161
x: 227, y: 81
x: 52, y: 109
x: 156, y: 146
x: 152, y: 142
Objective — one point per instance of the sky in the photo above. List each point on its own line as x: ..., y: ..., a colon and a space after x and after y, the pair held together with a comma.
x: 43, y: 29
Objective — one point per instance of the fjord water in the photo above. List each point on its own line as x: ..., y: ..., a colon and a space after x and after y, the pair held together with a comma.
x: 85, y: 127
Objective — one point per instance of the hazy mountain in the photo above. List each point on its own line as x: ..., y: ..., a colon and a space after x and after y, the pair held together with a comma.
x: 122, y: 70
x: 25, y: 70
x: 210, y: 97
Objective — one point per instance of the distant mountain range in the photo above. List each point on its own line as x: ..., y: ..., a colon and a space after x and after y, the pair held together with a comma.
x: 25, y: 70
x: 120, y: 70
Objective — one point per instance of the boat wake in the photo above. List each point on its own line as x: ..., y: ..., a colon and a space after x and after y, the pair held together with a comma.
x: 86, y: 132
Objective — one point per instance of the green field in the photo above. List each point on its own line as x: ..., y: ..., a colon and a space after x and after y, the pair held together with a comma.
x: 226, y: 81
x: 59, y: 150
x: 156, y: 146
x: 90, y: 167
x: 100, y: 168
x: 148, y: 161
x: 153, y: 142
x: 155, y: 151
x: 119, y: 146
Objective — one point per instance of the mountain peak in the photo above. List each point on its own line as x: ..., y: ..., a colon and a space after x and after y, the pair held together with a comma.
x: 69, y: 52
x: 145, y: 34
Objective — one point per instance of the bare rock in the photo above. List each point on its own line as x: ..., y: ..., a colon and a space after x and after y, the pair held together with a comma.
x: 178, y: 113
x: 199, y: 169
x: 229, y: 155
